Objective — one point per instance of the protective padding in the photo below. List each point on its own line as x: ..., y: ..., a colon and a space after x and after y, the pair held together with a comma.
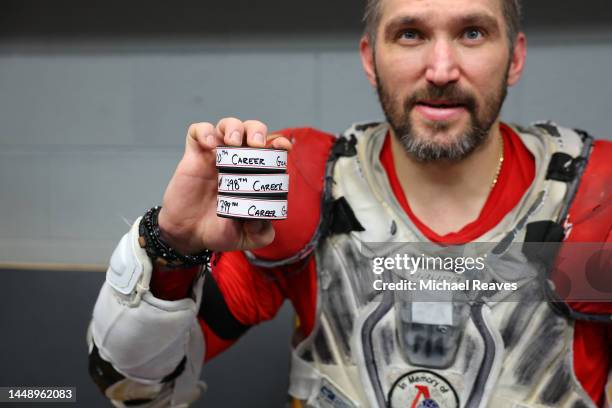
x: 145, y: 338
x: 146, y: 342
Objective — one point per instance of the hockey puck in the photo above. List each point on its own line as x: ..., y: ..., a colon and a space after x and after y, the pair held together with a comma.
x: 262, y: 185
x: 251, y: 160
x: 251, y: 208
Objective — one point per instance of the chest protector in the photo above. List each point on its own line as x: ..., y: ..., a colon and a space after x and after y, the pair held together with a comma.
x: 385, y: 348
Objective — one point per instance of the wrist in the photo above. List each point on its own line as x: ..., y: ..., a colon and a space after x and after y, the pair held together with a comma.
x: 173, y: 283
x: 176, y: 237
x: 161, y: 251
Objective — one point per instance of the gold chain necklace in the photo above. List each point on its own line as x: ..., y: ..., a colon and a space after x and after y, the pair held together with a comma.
x: 500, y: 164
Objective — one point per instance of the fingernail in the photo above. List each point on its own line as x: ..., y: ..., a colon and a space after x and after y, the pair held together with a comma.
x: 259, y: 138
x: 235, y: 137
x: 210, y: 140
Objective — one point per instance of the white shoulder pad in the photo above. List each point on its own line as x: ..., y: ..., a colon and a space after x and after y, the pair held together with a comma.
x: 566, y: 140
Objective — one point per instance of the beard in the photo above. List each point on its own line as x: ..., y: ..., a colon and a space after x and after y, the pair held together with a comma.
x: 425, y: 148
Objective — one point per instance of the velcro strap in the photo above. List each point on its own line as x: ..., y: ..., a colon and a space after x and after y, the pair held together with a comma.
x: 562, y: 167
x: 547, y: 233
x: 344, y: 147
x: 343, y: 218
x: 544, y: 231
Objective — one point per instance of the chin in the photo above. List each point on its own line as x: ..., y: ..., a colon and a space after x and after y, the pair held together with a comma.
x: 441, y: 133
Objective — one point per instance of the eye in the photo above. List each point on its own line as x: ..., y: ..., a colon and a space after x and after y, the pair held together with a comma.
x: 410, y: 35
x: 473, y: 34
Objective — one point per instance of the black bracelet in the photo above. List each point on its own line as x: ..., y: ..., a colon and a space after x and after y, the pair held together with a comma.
x: 158, y: 250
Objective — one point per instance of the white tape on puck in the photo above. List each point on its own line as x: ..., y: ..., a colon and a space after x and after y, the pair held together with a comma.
x: 254, y: 183
x: 256, y: 208
x: 251, y: 158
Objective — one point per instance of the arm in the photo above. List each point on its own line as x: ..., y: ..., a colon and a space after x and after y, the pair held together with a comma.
x: 146, y: 349
x: 142, y: 347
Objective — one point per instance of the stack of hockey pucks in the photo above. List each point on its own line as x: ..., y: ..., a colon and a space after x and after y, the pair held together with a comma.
x: 253, y: 183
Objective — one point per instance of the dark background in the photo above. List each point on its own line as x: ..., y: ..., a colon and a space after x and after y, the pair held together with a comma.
x: 43, y: 320
x: 65, y: 18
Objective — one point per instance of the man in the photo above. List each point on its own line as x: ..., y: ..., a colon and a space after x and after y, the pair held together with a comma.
x: 444, y: 170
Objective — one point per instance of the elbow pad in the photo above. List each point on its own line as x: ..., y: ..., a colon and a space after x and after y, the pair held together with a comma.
x: 144, y: 349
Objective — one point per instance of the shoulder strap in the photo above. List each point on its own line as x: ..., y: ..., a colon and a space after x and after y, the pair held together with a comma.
x: 565, y: 168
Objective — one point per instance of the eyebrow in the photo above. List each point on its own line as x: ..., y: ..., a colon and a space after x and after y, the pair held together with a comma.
x: 474, y: 19
x: 478, y: 19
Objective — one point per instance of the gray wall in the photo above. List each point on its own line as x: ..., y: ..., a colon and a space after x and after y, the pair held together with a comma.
x: 95, y: 101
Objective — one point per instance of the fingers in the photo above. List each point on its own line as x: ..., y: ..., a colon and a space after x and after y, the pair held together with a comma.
x: 199, y: 156
x: 279, y: 141
x: 256, y: 133
x: 257, y: 234
x: 234, y: 132
x: 201, y: 136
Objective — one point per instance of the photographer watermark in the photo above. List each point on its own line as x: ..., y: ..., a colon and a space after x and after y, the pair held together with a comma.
x: 495, y: 271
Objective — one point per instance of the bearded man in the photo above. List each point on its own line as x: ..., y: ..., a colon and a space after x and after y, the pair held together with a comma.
x: 443, y: 171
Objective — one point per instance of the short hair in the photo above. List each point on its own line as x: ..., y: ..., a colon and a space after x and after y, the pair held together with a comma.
x: 512, y: 14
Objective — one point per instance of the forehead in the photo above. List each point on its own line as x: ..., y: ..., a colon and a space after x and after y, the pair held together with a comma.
x: 435, y: 10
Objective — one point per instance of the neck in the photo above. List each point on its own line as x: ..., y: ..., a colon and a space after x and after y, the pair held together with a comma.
x: 446, y: 195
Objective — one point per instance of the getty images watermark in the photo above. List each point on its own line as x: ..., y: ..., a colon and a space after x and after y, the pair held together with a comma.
x: 568, y: 271
x: 431, y: 273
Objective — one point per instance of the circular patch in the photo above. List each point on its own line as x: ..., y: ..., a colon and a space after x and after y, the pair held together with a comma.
x: 422, y: 389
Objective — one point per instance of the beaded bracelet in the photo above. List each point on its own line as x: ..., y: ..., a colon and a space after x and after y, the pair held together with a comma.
x: 159, y: 251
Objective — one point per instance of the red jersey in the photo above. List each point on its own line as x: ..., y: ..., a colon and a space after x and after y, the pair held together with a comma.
x: 245, y: 295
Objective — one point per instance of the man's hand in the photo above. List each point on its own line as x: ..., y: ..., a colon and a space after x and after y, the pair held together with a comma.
x: 188, y: 220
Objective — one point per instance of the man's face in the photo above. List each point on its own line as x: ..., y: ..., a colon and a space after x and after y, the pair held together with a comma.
x: 441, y: 68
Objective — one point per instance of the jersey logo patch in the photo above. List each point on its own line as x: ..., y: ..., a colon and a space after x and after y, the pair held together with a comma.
x: 422, y: 389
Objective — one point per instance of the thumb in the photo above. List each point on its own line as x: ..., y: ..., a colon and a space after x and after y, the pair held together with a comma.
x: 199, y: 155
x: 257, y: 234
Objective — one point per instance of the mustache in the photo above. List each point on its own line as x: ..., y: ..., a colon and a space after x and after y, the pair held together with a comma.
x: 450, y: 93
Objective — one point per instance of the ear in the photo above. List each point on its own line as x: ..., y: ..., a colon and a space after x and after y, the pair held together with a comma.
x: 519, y: 55
x: 366, y: 51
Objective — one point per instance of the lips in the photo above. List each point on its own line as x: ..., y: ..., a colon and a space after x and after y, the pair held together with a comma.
x: 442, y: 104
x: 440, y: 110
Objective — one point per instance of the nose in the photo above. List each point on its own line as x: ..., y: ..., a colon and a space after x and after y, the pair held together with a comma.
x: 442, y: 64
